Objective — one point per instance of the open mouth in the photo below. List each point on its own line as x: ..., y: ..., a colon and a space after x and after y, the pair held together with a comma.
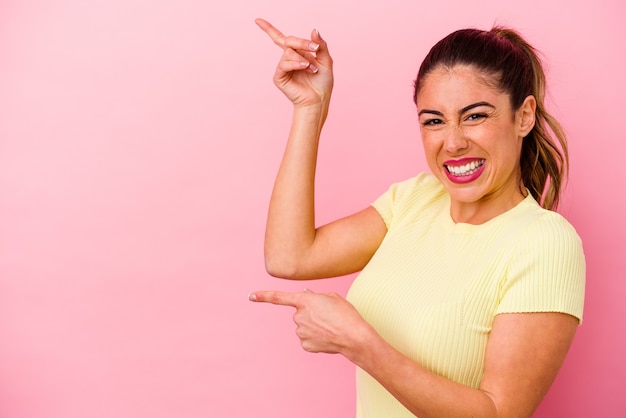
x: 465, y: 169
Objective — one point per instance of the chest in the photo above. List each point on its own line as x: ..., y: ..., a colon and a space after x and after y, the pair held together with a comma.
x: 432, y: 293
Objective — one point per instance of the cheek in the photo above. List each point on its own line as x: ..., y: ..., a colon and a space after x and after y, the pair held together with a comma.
x: 431, y: 152
x: 507, y: 152
x: 430, y: 139
x: 430, y: 147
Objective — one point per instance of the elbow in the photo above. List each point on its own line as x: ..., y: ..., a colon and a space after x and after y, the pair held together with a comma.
x: 282, y: 267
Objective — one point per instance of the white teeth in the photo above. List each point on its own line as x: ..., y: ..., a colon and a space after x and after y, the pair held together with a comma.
x: 466, y: 169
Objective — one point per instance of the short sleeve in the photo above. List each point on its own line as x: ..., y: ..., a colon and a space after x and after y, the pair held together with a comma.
x: 385, y: 203
x: 547, y: 271
x: 408, y: 197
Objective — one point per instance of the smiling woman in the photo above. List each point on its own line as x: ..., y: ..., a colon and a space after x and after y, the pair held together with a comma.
x: 502, y: 61
x: 472, y: 141
x: 470, y: 291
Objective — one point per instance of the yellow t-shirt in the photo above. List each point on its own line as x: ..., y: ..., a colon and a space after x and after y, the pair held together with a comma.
x: 434, y: 286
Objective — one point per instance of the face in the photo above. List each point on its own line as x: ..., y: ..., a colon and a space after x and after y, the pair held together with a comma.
x: 472, y: 140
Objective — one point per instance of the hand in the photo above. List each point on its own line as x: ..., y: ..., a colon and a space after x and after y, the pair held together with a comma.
x: 304, y: 73
x: 326, y: 323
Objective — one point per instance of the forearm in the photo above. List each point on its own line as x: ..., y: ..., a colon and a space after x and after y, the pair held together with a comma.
x: 421, y: 391
x: 290, y: 228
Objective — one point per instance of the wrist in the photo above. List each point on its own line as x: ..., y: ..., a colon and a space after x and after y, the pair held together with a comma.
x: 311, y: 114
x: 320, y: 107
x: 364, y: 343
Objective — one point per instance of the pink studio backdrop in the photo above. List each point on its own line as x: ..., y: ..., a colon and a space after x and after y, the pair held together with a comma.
x: 138, y: 145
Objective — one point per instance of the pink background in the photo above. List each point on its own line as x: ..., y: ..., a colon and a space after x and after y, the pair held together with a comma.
x: 138, y: 144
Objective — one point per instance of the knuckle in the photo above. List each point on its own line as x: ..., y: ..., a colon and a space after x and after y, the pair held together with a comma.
x: 290, y: 40
x: 300, y: 333
x: 272, y: 297
x: 296, y: 43
x: 308, y: 346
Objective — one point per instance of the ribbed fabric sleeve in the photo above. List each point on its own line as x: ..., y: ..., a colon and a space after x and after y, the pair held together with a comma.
x: 434, y: 287
x: 547, y: 272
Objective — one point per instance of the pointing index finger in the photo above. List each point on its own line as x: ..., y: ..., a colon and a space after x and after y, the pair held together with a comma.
x: 276, y: 297
x: 275, y: 34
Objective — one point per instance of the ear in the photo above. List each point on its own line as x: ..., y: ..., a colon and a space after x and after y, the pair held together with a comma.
x: 525, y: 117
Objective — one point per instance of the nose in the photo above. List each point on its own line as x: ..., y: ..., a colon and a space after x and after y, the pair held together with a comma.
x: 455, y: 141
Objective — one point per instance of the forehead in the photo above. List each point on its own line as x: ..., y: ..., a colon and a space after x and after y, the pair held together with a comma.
x: 458, y: 86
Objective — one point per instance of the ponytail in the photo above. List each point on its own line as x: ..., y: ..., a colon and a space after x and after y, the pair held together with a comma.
x: 544, y: 161
x: 516, y: 70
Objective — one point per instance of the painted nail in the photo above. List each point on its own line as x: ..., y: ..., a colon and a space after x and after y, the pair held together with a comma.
x: 313, y: 68
x: 252, y: 297
x: 313, y: 46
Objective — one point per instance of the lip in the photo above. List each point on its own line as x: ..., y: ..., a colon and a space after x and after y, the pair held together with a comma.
x: 458, y: 179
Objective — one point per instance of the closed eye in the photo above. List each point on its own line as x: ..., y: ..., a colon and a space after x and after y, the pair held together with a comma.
x: 476, y: 118
x: 432, y: 122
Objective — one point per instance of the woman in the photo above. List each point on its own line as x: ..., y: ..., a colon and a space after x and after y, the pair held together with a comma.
x: 470, y: 291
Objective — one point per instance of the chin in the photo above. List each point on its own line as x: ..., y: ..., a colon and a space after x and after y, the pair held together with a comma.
x: 465, y: 193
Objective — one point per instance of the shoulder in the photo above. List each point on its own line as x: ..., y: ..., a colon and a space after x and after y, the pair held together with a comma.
x: 546, y: 241
x: 546, y: 270
x: 548, y: 227
x: 546, y: 244
x: 410, y: 197
x: 423, y: 186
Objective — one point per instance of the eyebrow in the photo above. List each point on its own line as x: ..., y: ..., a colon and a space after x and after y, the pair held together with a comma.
x: 465, y: 109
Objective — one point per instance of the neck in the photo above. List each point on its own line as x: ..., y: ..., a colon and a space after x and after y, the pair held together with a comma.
x: 487, y: 208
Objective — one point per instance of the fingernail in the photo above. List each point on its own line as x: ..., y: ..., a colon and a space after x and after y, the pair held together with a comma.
x: 313, y: 68
x: 252, y: 297
x: 304, y: 64
x: 313, y: 46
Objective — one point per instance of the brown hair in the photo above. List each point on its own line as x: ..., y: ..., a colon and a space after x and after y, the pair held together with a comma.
x: 515, y: 68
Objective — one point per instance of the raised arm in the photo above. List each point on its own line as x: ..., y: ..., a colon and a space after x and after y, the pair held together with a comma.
x: 294, y: 247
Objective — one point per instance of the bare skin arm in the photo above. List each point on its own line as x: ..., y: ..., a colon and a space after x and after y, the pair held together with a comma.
x: 294, y: 247
x: 524, y: 354
x: 524, y: 351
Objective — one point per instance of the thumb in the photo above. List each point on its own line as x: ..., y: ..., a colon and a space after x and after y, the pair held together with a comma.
x: 322, y: 55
